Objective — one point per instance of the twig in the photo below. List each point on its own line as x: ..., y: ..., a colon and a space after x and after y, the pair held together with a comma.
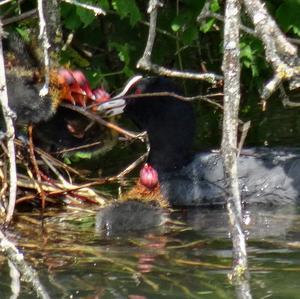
x: 23, y: 16
x: 286, y: 102
x: 36, y: 168
x: 28, y: 273
x: 176, y: 96
x: 63, y: 189
x: 45, y: 44
x: 281, y: 54
x: 209, y: 14
x: 49, y: 157
x: 5, y: 2
x: 10, y: 134
x: 96, y: 10
x: 131, y: 167
x: 78, y: 148
x: 100, y: 120
x: 146, y: 64
x: 245, y: 129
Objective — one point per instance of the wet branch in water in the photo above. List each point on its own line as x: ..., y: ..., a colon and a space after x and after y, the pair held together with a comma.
x: 27, y: 272
x: 231, y: 67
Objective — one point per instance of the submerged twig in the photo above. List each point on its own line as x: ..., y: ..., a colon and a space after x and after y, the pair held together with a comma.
x: 28, y: 273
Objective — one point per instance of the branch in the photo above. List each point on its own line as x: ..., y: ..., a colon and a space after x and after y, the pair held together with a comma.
x: 5, y: 2
x: 281, y: 54
x: 146, y: 64
x: 231, y: 67
x: 94, y: 9
x: 25, y: 15
x: 45, y: 43
x: 17, y: 259
x: 10, y: 134
x: 206, y: 13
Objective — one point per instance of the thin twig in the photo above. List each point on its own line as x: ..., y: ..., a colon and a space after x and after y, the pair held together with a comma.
x: 23, y: 16
x: 49, y: 157
x: 146, y: 64
x: 101, y: 121
x: 209, y: 14
x: 5, y: 2
x: 36, y: 168
x: 132, y: 166
x: 96, y: 10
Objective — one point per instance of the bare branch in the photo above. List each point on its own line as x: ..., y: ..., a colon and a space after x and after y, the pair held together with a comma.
x: 10, y: 134
x: 17, y: 259
x: 45, y: 43
x: 209, y: 14
x: 281, y: 54
x: 146, y: 64
x: 231, y: 66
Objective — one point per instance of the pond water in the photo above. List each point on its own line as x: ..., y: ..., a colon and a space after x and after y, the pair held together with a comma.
x: 189, y: 257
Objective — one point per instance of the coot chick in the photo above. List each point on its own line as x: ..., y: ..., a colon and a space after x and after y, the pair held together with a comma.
x: 130, y: 217
x: 268, y: 176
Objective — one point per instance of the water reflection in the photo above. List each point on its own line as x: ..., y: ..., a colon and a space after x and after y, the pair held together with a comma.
x: 260, y: 221
x: 189, y: 258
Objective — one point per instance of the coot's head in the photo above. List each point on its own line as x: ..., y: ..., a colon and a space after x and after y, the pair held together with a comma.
x: 169, y: 121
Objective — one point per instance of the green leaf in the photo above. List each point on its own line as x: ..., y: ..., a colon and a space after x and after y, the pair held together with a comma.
x: 215, y: 6
x: 123, y: 51
x: 24, y: 32
x: 86, y: 16
x: 69, y: 16
x: 246, y: 51
x: 127, y: 8
x: 288, y: 16
x: 206, y: 26
x: 180, y: 21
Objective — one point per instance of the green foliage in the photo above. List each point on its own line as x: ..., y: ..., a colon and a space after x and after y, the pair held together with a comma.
x: 127, y: 8
x: 108, y: 47
x: 288, y: 15
x: 24, y: 32
x: 249, y: 56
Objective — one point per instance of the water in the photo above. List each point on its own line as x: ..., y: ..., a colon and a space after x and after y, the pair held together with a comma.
x: 189, y: 257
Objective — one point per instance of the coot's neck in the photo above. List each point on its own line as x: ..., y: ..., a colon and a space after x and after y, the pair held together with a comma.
x: 169, y: 122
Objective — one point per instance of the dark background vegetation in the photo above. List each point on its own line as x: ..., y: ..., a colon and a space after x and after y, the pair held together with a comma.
x: 108, y: 47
